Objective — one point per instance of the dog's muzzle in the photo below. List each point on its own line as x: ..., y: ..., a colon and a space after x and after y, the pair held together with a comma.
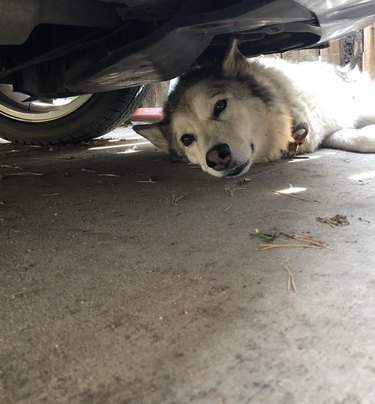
x: 238, y: 170
x: 219, y: 157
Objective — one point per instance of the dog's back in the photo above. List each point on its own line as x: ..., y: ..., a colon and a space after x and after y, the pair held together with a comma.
x: 327, y: 97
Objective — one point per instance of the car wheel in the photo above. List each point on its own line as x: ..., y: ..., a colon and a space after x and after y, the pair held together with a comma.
x: 64, y: 120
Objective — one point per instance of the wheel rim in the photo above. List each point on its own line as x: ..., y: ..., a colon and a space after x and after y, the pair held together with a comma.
x: 15, y: 106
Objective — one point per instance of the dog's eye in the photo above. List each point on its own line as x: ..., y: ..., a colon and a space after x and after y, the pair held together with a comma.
x: 219, y: 107
x: 187, y: 139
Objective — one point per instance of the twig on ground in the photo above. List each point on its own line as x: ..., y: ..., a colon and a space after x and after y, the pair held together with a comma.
x: 295, y: 197
x: 227, y: 208
x: 232, y: 190
x: 24, y: 174
x: 10, y: 166
x: 303, y: 240
x: 88, y: 170
x: 264, y: 247
x: 308, y: 239
x: 175, y: 199
x: 149, y: 181
x: 291, y: 283
x: 109, y: 175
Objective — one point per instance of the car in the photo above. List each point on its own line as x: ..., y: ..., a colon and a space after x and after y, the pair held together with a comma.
x: 72, y: 70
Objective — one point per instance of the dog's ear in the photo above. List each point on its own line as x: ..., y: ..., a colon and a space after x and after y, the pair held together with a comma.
x: 153, y: 132
x: 234, y: 61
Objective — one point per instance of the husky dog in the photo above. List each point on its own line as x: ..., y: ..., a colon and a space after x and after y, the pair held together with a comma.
x: 244, y: 112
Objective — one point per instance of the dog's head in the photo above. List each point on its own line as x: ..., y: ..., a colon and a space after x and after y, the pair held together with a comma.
x: 222, y: 119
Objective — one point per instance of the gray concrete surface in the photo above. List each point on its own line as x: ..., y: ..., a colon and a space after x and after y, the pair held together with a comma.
x: 111, y: 293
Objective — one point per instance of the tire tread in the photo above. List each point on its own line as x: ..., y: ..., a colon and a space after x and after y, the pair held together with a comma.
x: 108, y: 111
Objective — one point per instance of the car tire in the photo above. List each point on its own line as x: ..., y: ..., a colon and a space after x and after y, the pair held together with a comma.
x: 99, y: 114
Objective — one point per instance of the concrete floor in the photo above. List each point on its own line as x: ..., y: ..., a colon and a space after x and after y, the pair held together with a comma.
x: 111, y: 293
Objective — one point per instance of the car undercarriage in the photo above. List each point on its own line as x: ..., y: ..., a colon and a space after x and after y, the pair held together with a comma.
x: 74, y: 69
x: 53, y: 48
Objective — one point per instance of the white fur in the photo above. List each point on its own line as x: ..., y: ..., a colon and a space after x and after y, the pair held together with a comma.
x: 321, y: 98
x: 337, y: 104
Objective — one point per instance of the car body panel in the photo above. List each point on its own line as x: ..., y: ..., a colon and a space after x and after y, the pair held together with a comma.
x: 89, y: 46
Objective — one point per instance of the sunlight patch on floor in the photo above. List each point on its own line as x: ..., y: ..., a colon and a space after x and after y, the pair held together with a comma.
x: 119, y: 145
x: 291, y: 190
x: 130, y: 150
x: 363, y: 176
x: 306, y: 157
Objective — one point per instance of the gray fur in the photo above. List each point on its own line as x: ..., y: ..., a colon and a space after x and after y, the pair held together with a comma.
x: 264, y: 100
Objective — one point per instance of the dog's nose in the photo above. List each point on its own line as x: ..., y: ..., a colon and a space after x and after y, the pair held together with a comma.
x: 218, y: 157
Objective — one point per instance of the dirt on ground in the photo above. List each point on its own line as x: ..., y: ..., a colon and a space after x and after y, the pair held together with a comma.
x: 129, y: 278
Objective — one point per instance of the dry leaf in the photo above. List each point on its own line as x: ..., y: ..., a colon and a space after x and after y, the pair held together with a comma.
x: 337, y: 220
